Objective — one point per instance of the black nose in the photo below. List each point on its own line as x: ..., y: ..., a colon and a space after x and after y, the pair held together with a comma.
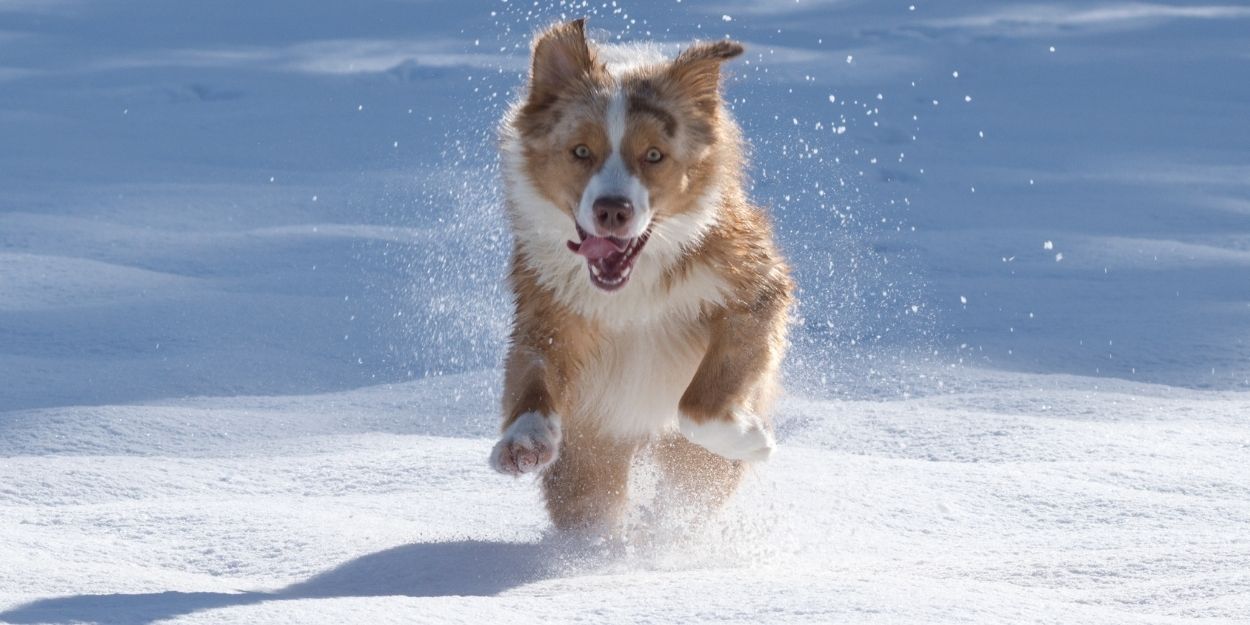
x: 612, y: 214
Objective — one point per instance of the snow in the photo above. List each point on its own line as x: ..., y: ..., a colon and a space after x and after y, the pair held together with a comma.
x: 251, y: 315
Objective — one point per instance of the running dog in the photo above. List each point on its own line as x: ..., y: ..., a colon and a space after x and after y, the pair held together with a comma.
x: 651, y: 301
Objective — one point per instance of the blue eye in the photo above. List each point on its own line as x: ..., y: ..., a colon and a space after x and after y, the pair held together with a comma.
x: 654, y: 156
x: 581, y: 151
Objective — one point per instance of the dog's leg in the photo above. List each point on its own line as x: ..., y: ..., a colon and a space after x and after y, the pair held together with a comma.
x: 723, y: 407
x: 532, y: 428
x: 542, y: 355
x: 586, y: 487
x: 695, y: 477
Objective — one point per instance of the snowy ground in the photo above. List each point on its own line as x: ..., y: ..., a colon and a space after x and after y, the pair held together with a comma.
x: 251, y: 314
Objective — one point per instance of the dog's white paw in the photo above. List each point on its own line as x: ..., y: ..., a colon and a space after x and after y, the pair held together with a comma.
x: 741, y: 437
x: 529, y: 444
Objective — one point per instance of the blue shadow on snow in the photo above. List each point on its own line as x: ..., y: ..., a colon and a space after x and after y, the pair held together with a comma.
x: 463, y: 568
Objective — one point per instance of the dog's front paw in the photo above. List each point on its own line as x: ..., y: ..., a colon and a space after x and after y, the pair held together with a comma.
x: 741, y: 435
x: 529, y: 444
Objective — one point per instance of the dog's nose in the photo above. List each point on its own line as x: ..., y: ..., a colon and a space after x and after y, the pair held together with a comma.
x: 612, y: 215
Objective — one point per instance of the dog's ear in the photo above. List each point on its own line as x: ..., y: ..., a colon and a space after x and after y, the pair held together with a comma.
x: 696, y: 71
x: 561, y: 56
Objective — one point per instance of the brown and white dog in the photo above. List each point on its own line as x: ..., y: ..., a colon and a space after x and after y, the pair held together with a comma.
x: 651, y: 300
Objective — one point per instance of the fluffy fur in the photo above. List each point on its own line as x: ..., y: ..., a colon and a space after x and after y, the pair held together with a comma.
x: 684, y: 356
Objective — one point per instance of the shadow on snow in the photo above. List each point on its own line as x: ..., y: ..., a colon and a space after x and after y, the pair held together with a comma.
x: 464, y: 568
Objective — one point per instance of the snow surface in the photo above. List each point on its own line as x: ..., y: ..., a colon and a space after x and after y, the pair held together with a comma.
x: 251, y: 316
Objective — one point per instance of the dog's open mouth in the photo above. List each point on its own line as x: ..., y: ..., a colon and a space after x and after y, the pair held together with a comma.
x: 610, y: 259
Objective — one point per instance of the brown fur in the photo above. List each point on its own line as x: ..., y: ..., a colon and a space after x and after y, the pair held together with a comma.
x: 676, y: 108
x: 696, y: 476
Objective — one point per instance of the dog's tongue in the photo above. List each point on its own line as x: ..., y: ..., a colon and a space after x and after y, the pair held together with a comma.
x: 597, y: 248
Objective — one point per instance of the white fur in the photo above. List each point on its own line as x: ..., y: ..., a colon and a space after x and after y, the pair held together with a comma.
x: 530, y: 431
x: 633, y: 382
x: 745, y: 437
x: 673, y: 236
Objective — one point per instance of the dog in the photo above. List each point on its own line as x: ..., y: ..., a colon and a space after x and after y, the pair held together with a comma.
x: 651, y: 301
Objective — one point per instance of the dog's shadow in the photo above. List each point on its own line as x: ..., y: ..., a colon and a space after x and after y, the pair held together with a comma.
x: 465, y: 568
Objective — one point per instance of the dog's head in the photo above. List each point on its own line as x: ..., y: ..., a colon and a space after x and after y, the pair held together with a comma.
x: 630, y: 149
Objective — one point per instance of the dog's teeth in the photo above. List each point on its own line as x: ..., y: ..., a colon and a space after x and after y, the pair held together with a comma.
x: 596, y: 270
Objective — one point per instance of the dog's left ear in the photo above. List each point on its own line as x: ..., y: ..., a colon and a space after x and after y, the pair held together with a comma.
x: 696, y: 71
x: 561, y: 56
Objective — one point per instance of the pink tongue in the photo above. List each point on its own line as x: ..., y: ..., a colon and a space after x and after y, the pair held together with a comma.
x: 598, y: 248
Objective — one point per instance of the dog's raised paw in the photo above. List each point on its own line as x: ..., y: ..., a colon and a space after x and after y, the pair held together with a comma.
x: 744, y: 436
x: 531, y: 443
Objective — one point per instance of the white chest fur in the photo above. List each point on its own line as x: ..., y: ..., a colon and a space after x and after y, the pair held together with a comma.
x: 631, y: 386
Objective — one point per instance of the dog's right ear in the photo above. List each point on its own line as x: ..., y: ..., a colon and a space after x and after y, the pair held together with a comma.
x: 561, y: 56
x: 696, y: 71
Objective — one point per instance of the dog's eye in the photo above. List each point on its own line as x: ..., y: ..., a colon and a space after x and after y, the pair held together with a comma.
x: 581, y: 151
x: 654, y: 156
